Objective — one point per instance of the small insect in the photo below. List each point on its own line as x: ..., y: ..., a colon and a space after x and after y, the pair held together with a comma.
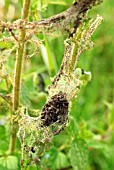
x: 55, y: 110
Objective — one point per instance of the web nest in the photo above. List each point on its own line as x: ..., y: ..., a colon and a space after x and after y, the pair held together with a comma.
x: 36, y: 133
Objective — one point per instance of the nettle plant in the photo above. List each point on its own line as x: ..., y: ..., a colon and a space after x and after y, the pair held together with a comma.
x: 36, y: 129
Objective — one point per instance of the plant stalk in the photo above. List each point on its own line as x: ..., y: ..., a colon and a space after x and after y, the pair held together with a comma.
x: 17, y: 80
x: 74, y: 57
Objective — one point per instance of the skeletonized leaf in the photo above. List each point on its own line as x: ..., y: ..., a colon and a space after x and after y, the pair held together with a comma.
x: 9, y: 163
x: 78, y: 154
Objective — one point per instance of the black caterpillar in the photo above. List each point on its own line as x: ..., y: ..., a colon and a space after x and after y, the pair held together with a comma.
x: 55, y: 110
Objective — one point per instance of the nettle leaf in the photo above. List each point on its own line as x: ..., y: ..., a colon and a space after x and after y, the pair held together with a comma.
x: 48, y: 57
x: 3, y: 140
x: 84, y: 132
x: 4, y: 44
x: 73, y: 127
x: 24, y: 95
x: 9, y: 163
x: 61, y: 161
x: 32, y: 167
x: 2, y: 129
x: 58, y: 2
x: 110, y: 113
x: 3, y: 168
x: 3, y: 91
x: 78, y: 154
x: 99, y: 146
x: 57, y: 160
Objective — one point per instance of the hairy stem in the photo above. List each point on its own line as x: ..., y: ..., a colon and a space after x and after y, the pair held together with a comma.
x: 17, y: 79
x: 59, y: 24
x: 74, y: 57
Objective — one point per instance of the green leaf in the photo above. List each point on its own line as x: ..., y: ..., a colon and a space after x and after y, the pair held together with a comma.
x: 110, y: 113
x: 32, y: 167
x: 84, y: 132
x: 73, y: 127
x: 12, y: 162
x: 2, y: 130
x: 56, y: 159
x: 4, y: 135
x: 86, y: 77
x: 5, y: 45
x: 61, y: 161
x: 9, y: 163
x: 3, y: 91
x: 78, y: 154
x: 2, y: 168
x: 24, y: 95
x: 49, y: 58
x: 100, y: 146
x: 58, y: 2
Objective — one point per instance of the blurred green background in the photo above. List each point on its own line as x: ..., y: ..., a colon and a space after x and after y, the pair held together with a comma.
x: 93, y: 110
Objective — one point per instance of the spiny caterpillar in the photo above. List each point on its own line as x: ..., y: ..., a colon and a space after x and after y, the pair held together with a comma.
x: 55, y: 110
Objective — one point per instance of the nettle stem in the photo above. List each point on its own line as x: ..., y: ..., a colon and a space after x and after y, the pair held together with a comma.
x: 74, y: 57
x: 17, y: 79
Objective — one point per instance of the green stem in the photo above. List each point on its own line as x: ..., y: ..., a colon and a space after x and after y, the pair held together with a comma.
x: 74, y: 57
x: 17, y: 79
